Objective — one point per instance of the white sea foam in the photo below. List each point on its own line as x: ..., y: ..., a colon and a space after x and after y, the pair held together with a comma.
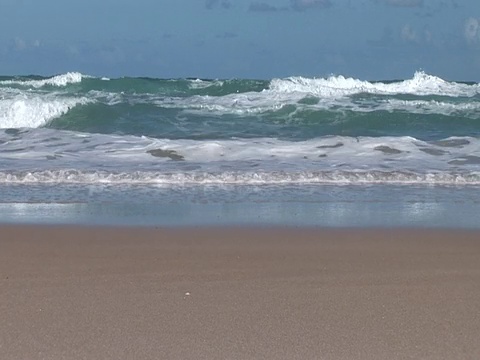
x: 257, y: 103
x: 66, y: 156
x: 240, y: 178
x: 321, y: 152
x: 202, y: 84
x: 470, y: 109
x: 111, y: 98
x: 58, y: 80
x: 238, y: 104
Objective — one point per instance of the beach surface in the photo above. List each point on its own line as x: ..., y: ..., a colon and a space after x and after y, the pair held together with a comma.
x: 238, y: 293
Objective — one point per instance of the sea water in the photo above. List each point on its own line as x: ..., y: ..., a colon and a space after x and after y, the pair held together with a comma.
x: 295, y: 151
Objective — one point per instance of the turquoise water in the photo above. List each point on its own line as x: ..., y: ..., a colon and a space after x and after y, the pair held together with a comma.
x: 197, y: 148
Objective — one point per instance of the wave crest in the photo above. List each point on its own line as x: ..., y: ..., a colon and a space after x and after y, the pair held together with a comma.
x: 58, y: 80
x: 338, y: 86
x: 25, y: 111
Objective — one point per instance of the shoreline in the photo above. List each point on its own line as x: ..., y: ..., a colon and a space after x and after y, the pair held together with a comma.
x: 237, y: 292
x: 382, y: 206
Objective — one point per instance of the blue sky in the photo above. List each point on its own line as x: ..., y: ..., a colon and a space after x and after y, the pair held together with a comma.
x: 367, y: 39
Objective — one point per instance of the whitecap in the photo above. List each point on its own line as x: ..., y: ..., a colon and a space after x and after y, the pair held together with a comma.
x: 58, y: 80
x: 338, y: 86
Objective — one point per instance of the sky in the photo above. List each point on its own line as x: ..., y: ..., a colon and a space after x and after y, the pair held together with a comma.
x: 366, y: 39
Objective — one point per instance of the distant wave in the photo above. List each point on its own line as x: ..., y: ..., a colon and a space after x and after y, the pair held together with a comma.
x: 229, y: 108
x: 337, y: 86
x: 58, y: 80
x: 333, y: 86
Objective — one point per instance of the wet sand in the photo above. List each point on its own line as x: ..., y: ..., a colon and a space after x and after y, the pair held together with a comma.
x: 238, y: 293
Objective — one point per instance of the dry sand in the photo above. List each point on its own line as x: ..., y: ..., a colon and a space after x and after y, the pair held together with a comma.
x: 78, y: 293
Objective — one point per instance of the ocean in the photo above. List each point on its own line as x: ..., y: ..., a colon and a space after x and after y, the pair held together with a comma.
x: 296, y: 151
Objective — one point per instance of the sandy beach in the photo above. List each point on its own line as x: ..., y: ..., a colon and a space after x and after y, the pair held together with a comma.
x: 238, y: 293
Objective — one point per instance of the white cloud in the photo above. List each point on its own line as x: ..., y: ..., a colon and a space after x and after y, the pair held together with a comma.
x: 262, y: 7
x: 472, y: 30
x: 428, y: 35
x: 403, y: 3
x: 412, y: 35
x: 19, y: 44
x: 72, y: 50
x: 307, y: 4
x: 408, y: 34
x: 210, y: 4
